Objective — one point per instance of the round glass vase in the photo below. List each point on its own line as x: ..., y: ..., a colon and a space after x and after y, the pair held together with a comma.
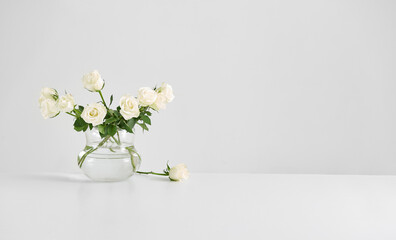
x: 110, y: 158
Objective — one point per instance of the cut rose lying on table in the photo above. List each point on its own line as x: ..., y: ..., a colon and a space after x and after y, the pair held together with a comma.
x: 130, y: 112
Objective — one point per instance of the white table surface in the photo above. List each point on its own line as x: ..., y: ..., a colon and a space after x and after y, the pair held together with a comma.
x: 207, y: 206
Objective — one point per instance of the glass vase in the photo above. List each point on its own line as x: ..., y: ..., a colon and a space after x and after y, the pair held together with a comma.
x: 110, y: 158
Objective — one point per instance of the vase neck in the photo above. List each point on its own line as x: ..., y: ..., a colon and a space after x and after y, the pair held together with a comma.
x: 122, y: 137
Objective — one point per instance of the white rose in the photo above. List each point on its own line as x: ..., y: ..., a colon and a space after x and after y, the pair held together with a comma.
x: 179, y: 172
x: 160, y: 103
x: 48, y: 93
x: 93, y: 81
x: 66, y: 103
x: 146, y: 96
x: 94, y: 113
x: 129, y: 107
x: 166, y: 91
x: 48, y: 108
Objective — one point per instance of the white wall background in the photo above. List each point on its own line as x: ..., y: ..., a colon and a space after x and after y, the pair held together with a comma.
x: 261, y: 86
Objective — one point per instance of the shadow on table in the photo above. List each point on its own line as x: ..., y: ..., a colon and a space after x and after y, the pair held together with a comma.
x: 157, y: 178
x: 58, y: 177
x: 79, y: 178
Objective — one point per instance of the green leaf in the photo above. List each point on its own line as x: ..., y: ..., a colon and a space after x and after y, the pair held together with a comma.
x: 90, y: 126
x: 79, y: 123
x: 102, y: 135
x: 78, y: 110
x: 143, y: 126
x: 111, y: 120
x: 131, y: 122
x: 148, y: 113
x: 111, y: 130
x: 146, y: 120
x: 108, y: 114
x: 78, y: 129
x: 123, y: 125
x: 167, y: 166
x: 111, y: 99
x: 117, y: 114
x: 167, y: 169
x: 101, y: 129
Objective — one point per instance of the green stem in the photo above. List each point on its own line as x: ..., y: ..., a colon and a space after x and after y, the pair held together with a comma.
x: 131, y: 151
x: 71, y: 114
x: 101, y: 96
x: 118, y: 136
x: 154, y: 173
x: 115, y: 140
x: 82, y: 159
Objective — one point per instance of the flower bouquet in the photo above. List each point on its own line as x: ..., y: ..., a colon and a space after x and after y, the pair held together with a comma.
x: 110, y: 153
